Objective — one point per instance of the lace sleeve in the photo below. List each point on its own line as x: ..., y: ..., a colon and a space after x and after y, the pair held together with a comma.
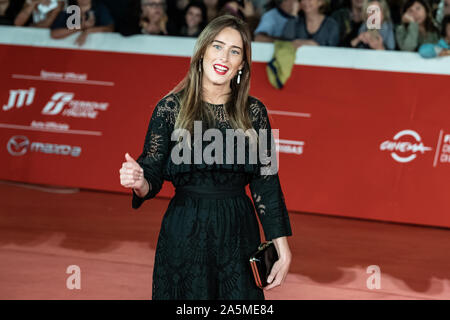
x: 155, y: 151
x: 265, y: 185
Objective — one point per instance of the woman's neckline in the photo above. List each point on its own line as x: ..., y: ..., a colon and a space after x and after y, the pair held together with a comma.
x: 215, y: 105
x: 318, y: 29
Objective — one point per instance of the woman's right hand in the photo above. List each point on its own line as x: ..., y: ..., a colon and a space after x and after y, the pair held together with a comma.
x: 132, y: 175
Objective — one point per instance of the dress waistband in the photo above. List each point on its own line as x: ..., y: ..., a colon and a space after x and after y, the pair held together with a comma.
x: 212, y: 192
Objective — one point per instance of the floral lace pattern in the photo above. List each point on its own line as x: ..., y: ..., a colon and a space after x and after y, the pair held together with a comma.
x: 204, y: 244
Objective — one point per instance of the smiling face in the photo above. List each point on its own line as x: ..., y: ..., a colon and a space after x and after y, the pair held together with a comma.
x: 223, y: 58
x: 418, y: 12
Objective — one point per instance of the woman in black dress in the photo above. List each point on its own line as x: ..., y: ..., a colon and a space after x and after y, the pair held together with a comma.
x: 210, y: 228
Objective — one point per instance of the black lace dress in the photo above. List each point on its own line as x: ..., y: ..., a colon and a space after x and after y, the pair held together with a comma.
x: 210, y: 228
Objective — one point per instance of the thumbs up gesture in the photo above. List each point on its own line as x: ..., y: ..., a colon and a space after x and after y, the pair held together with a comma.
x: 132, y: 175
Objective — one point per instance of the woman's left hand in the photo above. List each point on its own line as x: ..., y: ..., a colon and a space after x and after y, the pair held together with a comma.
x: 281, y: 266
x: 278, y: 273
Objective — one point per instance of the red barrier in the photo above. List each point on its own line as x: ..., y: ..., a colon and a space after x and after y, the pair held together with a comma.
x: 358, y: 143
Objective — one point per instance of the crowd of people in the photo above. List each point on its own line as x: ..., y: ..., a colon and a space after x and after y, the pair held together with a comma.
x: 407, y: 25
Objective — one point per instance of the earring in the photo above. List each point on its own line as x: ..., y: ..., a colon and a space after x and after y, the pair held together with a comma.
x: 239, y: 77
x: 200, y: 65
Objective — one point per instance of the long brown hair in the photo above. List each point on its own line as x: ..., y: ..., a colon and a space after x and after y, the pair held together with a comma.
x: 429, y: 23
x: 192, y: 107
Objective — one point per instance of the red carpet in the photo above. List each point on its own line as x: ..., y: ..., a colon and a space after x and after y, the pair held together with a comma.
x: 44, y: 232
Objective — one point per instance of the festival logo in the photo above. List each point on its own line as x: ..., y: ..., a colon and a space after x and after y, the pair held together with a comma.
x: 405, y: 146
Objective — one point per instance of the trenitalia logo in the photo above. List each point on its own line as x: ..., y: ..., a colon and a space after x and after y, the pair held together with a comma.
x: 78, y: 109
x: 400, y: 148
x: 56, y: 104
x: 19, y: 145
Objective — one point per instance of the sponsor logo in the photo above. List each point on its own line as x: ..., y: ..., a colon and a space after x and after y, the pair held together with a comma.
x: 20, y: 145
x: 290, y: 146
x: 63, y: 103
x: 20, y: 97
x: 403, y: 150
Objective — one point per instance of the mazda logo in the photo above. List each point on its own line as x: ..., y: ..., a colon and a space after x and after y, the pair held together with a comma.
x: 18, y: 145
